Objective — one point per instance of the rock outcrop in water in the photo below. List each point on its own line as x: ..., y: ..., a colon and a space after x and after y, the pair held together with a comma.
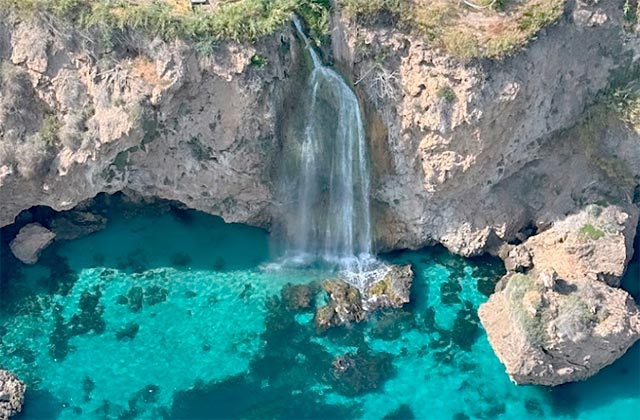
x: 11, y: 395
x: 468, y: 153
x: 347, y: 304
x: 563, y: 321
x: 30, y: 241
x: 478, y: 165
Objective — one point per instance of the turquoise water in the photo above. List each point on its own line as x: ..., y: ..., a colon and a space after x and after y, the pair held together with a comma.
x: 178, y: 315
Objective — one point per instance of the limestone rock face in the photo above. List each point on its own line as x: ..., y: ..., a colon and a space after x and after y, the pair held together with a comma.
x: 30, y: 241
x: 595, y: 243
x: 159, y: 121
x: 11, y: 395
x: 495, y: 154
x: 563, y: 321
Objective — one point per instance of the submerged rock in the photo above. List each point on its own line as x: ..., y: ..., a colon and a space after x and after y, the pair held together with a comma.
x: 298, y: 296
x: 75, y: 224
x: 30, y: 242
x: 361, y: 372
x: 11, y: 395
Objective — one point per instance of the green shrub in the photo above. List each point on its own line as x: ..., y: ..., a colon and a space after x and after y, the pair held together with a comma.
x: 515, y: 290
x: 591, y: 232
x: 259, y: 61
x: 49, y: 130
x: 444, y: 23
x: 446, y: 93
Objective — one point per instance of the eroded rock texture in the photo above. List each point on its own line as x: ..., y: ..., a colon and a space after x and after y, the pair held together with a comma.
x: 30, y: 241
x: 78, y: 118
x: 469, y: 153
x: 563, y: 321
x: 11, y: 395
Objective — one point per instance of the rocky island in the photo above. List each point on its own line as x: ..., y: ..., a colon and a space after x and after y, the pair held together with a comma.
x: 360, y: 134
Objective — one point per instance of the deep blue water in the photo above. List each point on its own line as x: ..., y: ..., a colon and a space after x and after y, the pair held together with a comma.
x: 174, y: 315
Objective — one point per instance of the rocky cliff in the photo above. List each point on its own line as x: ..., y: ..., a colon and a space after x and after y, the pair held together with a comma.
x: 79, y: 117
x: 554, y: 317
x: 470, y: 152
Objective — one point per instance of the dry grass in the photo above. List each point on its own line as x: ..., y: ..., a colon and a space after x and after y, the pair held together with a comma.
x: 240, y: 20
x: 461, y: 30
x: 145, y: 69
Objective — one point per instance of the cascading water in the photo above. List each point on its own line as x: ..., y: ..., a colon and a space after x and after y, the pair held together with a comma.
x: 328, y: 219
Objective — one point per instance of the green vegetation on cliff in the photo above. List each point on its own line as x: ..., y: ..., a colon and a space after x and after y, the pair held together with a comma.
x: 241, y: 20
x: 462, y: 30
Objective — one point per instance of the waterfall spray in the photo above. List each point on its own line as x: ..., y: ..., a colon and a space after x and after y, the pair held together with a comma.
x: 329, y: 220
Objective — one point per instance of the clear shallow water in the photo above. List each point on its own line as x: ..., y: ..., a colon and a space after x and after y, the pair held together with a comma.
x: 170, y: 316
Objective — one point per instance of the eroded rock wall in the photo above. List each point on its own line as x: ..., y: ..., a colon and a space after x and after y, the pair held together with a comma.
x: 465, y: 153
x: 474, y: 151
x: 79, y: 117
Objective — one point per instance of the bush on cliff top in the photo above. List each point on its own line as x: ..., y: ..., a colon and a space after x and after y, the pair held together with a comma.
x: 241, y: 20
x: 461, y: 30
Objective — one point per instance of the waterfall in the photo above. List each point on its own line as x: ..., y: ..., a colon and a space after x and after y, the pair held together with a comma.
x: 328, y: 219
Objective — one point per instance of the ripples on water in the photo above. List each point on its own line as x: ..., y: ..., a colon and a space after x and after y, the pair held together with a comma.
x: 161, y: 316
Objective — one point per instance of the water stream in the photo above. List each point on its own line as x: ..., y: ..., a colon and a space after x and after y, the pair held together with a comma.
x: 330, y: 219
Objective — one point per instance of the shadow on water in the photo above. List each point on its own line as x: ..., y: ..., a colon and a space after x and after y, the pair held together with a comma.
x: 242, y: 397
x: 282, y: 379
x: 621, y: 380
x: 297, y: 366
x: 138, y: 238
x: 39, y: 405
x: 144, y: 236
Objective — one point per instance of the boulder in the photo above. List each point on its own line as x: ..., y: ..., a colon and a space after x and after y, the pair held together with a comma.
x: 596, y: 242
x: 344, y: 307
x: 518, y: 259
x: 11, y: 395
x: 387, y: 287
x: 563, y: 320
x: 30, y: 241
x: 563, y: 333
x: 392, y: 290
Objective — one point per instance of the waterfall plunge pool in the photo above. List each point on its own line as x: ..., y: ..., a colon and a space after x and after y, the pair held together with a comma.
x: 169, y: 316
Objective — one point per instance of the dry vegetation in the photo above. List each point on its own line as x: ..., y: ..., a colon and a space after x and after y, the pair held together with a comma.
x: 240, y: 20
x: 499, y: 29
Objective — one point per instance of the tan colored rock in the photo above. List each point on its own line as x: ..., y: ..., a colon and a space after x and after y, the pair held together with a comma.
x: 518, y: 259
x: 392, y: 290
x: 344, y: 306
x: 563, y: 321
x: 550, y: 337
x: 11, y: 395
x: 596, y: 242
x: 496, y: 155
x: 30, y: 241
x: 167, y: 123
